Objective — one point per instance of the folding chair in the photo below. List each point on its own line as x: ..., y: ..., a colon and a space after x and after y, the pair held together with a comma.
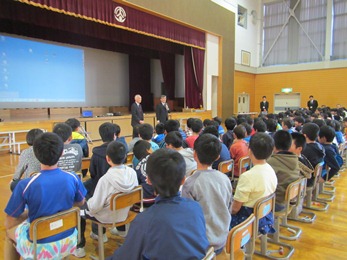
x: 52, y: 225
x: 119, y: 201
x: 262, y: 208
x: 310, y: 199
x: 244, y: 165
x: 292, y: 192
x: 297, y: 213
x: 129, y: 161
x: 241, y: 235
x: 226, y: 167
x: 210, y: 254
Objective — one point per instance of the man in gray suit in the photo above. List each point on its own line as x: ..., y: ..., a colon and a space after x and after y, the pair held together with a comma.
x: 136, y: 112
x: 162, y: 110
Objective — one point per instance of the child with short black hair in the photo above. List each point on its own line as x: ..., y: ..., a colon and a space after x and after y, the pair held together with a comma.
x: 239, y: 148
x: 212, y: 189
x: 313, y: 151
x: 146, y: 133
x: 159, y: 136
x: 142, y: 150
x: 28, y: 162
x: 298, y: 145
x: 228, y: 137
x: 220, y: 128
x: 146, y: 237
x: 174, y: 141
x: 258, y: 182
x: 288, y: 125
x: 71, y: 159
x: 285, y: 165
x: 119, y: 178
x: 196, y: 126
x: 326, y: 136
x: 298, y: 123
x: 78, y: 136
x: 48, y: 192
x: 224, y: 153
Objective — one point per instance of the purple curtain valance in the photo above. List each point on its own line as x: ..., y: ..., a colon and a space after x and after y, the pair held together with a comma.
x: 114, y: 14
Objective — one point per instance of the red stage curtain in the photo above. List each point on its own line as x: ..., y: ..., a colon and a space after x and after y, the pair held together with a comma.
x: 103, y: 11
x: 194, y: 73
x: 167, y: 61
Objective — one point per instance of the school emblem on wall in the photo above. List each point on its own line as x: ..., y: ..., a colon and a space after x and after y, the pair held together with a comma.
x: 119, y: 14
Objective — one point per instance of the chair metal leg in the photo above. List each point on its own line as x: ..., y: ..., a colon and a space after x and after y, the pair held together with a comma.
x: 328, y: 197
x: 296, y: 231
x: 304, y: 216
x: 285, y: 251
x: 101, y: 253
x: 313, y: 204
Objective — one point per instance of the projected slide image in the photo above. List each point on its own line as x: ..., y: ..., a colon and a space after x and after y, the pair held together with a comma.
x: 32, y: 71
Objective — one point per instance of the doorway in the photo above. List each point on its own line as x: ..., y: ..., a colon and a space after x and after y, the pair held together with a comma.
x: 243, y: 103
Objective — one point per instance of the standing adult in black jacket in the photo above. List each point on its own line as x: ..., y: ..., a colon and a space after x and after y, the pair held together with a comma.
x: 162, y: 110
x: 264, y: 106
x: 312, y: 104
x: 136, y: 112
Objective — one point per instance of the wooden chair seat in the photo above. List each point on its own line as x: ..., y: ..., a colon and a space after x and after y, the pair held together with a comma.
x: 120, y: 201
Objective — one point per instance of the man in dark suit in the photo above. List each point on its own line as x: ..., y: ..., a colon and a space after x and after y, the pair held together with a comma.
x: 136, y: 112
x: 264, y: 106
x: 162, y: 110
x: 312, y: 104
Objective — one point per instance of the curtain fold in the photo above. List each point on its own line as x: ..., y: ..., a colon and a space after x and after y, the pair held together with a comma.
x: 167, y: 61
x: 194, y: 71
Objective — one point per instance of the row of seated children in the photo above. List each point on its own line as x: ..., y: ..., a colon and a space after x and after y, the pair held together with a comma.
x: 70, y: 160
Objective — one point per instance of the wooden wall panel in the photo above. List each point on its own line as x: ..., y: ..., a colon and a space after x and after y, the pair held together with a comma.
x: 244, y: 83
x: 327, y: 86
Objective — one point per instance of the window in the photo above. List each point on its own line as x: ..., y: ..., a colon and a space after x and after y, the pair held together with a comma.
x: 339, y: 42
x: 294, y: 32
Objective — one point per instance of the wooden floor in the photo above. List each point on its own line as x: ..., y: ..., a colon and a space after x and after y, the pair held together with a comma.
x: 326, y: 238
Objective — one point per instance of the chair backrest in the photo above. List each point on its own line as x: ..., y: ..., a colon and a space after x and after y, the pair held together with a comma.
x: 317, y: 173
x: 48, y: 226
x: 293, y: 191
x: 127, y: 199
x: 244, y: 164
x: 226, y: 166
x: 240, y: 235
x: 130, y: 157
x: 85, y: 163
x: 263, y: 207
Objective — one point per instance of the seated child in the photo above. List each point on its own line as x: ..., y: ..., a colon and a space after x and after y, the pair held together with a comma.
x: 28, y: 162
x: 50, y: 191
x: 258, y: 182
x: 146, y: 133
x: 142, y: 150
x: 228, y: 137
x: 288, y: 125
x: 285, y: 165
x: 224, y: 153
x: 326, y: 136
x: 313, y: 151
x: 298, y: 145
x: 159, y: 134
x: 78, y: 136
x: 174, y: 141
x: 239, y: 148
x: 174, y: 227
x: 196, y: 126
x: 118, y: 178
x: 71, y: 159
x: 220, y: 128
x: 212, y: 189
